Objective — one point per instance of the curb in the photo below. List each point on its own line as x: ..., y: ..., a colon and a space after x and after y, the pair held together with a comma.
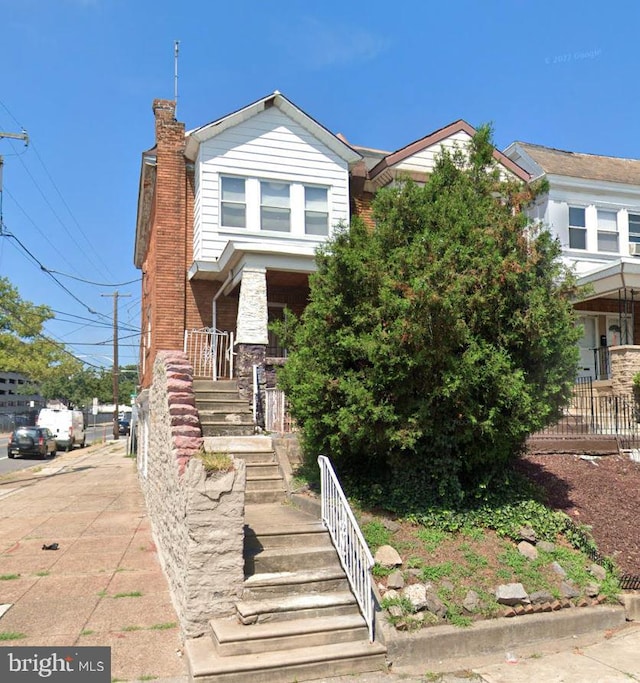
x: 429, y: 647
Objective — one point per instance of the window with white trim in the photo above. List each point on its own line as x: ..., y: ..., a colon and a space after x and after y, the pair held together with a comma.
x: 316, y: 210
x: 608, y: 231
x: 275, y: 206
x: 634, y: 228
x: 577, y: 228
x: 233, y: 203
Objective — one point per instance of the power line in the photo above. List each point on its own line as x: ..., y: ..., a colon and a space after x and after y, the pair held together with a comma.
x: 98, y: 284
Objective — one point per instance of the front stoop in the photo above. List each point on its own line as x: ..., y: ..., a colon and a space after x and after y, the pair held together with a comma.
x: 265, y: 483
x: 222, y: 412
x: 297, y: 620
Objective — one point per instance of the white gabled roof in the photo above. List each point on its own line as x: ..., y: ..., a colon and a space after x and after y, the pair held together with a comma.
x: 199, y: 135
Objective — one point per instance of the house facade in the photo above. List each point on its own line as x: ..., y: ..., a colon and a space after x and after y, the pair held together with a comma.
x: 593, y: 208
x: 230, y: 215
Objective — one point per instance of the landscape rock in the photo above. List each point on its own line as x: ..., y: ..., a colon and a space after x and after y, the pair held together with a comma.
x: 600, y: 573
x: 395, y: 580
x: 546, y: 546
x: 540, y: 597
x: 526, y: 533
x: 568, y: 590
x: 512, y: 594
x: 471, y: 602
x: 557, y: 568
x: 435, y: 605
x: 417, y: 596
x: 390, y: 525
x: 392, y: 594
x: 395, y: 611
x: 592, y: 590
x: 447, y: 585
x: 528, y: 550
x: 386, y: 556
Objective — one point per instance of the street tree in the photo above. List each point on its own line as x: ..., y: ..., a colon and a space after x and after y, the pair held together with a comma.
x: 23, y: 346
x: 435, y: 343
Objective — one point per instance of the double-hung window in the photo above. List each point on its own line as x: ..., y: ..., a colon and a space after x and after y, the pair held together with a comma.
x: 233, y: 205
x: 608, y: 231
x: 634, y: 228
x: 275, y: 206
x: 577, y: 228
x: 316, y: 211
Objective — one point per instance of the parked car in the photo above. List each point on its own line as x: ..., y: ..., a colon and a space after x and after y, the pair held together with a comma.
x: 31, y: 441
x: 124, y: 427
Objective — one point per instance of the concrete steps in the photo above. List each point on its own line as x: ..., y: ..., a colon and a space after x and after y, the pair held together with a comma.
x: 298, y: 619
x: 283, y: 666
x: 221, y: 411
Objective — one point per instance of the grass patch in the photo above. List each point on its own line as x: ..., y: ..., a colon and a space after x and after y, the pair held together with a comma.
x: 132, y: 628
x: 163, y: 627
x: 86, y: 632
x: 376, y: 535
x: 215, y: 463
x: 9, y: 577
x: 130, y: 594
x: 11, y: 635
x: 43, y: 573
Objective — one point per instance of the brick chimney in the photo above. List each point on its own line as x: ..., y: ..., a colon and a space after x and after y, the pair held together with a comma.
x: 166, y: 265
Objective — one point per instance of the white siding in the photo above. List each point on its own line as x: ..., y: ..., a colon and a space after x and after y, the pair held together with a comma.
x: 269, y: 146
x: 425, y: 160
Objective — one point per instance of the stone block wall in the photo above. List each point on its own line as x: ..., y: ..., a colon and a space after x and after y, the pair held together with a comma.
x: 624, y: 363
x: 197, y: 520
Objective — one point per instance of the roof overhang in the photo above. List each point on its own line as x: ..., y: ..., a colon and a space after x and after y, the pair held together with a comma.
x: 607, y: 281
x: 238, y: 255
x: 199, y: 135
x: 145, y: 203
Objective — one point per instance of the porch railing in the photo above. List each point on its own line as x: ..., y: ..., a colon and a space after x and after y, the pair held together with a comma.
x: 348, y: 540
x: 590, y: 414
x: 210, y: 352
x: 277, y: 417
x: 601, y: 362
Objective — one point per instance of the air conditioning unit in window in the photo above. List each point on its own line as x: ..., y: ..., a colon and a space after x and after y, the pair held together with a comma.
x: 634, y: 248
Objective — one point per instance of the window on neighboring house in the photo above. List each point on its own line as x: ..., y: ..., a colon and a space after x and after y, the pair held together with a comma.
x: 607, y: 231
x: 634, y: 228
x: 577, y: 228
x: 316, y: 211
x: 233, y: 205
x: 275, y: 206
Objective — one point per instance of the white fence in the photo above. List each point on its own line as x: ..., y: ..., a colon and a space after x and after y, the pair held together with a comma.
x: 353, y: 551
x: 210, y: 352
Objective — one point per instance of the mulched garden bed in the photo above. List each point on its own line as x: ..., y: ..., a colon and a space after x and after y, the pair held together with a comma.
x: 602, y: 492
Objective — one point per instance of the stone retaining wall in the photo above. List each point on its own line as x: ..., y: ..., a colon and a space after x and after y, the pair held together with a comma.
x: 625, y: 363
x: 197, y: 520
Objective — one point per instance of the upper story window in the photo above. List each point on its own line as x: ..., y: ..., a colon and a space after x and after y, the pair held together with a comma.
x: 577, y: 228
x: 275, y: 206
x: 316, y: 211
x: 608, y: 231
x: 233, y: 206
x: 634, y: 227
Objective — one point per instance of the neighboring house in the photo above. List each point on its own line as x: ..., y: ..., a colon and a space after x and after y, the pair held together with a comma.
x: 593, y: 207
x: 230, y: 215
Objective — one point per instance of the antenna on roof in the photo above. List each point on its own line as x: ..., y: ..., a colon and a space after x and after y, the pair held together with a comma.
x: 176, y: 45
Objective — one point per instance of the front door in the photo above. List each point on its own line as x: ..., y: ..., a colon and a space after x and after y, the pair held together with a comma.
x: 586, y: 345
x: 619, y: 330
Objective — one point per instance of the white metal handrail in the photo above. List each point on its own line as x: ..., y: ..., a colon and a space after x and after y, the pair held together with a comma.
x: 210, y: 352
x: 355, y: 557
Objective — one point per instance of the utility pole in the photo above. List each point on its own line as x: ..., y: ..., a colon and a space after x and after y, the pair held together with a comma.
x: 12, y: 136
x: 116, y: 368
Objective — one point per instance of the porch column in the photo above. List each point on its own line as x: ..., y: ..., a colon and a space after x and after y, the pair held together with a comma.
x: 251, y: 329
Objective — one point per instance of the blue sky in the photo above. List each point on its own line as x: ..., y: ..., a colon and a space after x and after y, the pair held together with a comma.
x: 80, y: 77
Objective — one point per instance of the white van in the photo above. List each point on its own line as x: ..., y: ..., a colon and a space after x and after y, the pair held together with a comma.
x: 67, y: 426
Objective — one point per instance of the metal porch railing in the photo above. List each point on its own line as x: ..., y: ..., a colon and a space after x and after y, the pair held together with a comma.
x: 348, y: 540
x: 210, y: 352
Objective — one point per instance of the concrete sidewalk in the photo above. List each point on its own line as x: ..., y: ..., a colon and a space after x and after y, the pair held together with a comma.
x: 104, y: 584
